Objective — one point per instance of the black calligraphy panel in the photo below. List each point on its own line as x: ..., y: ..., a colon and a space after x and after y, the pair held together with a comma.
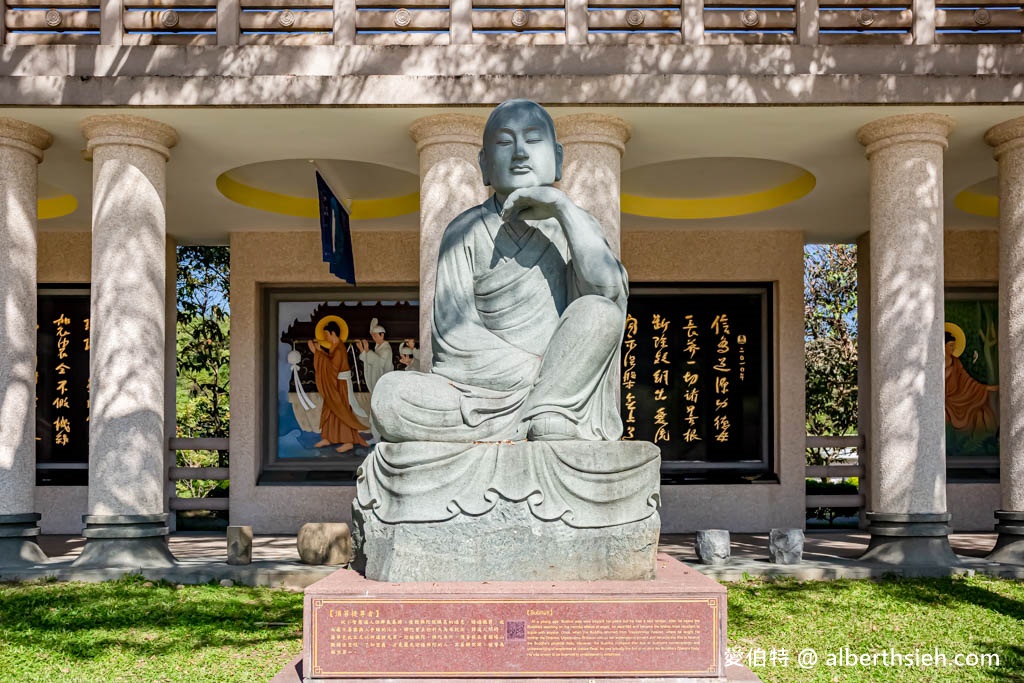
x: 696, y: 375
x: 62, y: 387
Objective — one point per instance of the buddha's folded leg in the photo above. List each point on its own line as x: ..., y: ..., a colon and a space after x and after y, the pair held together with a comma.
x: 416, y: 406
x: 576, y: 379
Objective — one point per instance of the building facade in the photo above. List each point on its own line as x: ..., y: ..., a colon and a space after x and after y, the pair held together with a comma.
x: 713, y: 141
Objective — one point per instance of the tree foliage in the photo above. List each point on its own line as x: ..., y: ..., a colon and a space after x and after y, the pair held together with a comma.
x: 203, y: 358
x: 830, y: 337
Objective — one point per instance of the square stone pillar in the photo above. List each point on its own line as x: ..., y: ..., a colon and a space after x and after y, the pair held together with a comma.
x: 450, y: 182
x: 1008, y: 140
x: 908, y: 520
x: 127, y: 524
x: 21, y: 150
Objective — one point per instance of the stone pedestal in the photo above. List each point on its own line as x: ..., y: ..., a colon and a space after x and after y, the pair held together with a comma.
x: 522, y: 511
x: 672, y: 628
x: 1009, y: 546
x: 908, y: 522
x: 507, y: 544
x: 126, y: 524
x: 450, y: 182
x: 1008, y: 140
x: 21, y: 150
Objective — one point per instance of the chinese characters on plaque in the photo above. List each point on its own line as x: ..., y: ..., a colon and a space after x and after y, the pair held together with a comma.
x: 62, y: 385
x: 696, y: 374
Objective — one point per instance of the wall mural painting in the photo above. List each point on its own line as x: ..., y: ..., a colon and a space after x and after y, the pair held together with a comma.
x: 330, y: 355
x: 972, y: 377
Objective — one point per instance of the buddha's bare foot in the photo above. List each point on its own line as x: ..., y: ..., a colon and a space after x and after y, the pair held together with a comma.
x: 552, y: 427
x: 321, y: 443
x: 344, y: 448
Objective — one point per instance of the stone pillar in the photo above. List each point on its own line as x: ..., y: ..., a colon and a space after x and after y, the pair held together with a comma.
x: 21, y: 150
x: 1008, y: 140
x: 127, y: 523
x: 908, y: 521
x: 450, y: 182
x: 592, y: 166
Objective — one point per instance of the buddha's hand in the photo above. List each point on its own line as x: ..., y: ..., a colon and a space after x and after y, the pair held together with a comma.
x: 535, y: 204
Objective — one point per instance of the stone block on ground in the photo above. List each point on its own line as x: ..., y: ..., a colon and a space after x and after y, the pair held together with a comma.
x: 325, y: 543
x: 786, y: 546
x: 712, y: 546
x: 239, y: 539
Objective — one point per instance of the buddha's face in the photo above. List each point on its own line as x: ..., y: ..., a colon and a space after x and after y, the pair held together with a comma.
x: 520, y: 149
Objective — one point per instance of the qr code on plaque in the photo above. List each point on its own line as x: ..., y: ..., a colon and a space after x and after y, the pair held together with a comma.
x: 515, y: 630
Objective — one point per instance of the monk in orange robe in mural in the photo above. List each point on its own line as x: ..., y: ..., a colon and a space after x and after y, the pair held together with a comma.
x: 338, y: 424
x: 967, y: 400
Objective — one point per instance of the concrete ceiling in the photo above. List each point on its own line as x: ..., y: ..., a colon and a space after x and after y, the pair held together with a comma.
x: 776, y: 142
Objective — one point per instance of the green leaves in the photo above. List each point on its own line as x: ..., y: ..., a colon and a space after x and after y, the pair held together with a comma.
x: 830, y: 343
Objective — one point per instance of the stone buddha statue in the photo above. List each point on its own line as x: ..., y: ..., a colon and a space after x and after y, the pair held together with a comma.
x: 504, y: 462
x: 528, y: 313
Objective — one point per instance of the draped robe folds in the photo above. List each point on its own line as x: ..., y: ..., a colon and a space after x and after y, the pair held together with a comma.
x: 376, y: 363
x: 338, y: 424
x: 968, y: 405
x: 500, y: 307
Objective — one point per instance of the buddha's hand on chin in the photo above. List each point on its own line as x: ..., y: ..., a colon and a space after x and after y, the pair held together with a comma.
x: 535, y: 204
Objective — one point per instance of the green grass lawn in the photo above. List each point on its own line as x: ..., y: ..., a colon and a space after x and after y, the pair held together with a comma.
x: 130, y: 630
x: 954, y: 616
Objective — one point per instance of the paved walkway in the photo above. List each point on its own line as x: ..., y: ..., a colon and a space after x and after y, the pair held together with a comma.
x: 827, y: 555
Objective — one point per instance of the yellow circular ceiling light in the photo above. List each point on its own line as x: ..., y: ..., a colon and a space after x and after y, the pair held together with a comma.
x: 980, y: 199
x: 713, y: 187
x: 375, y: 191
x: 54, y: 202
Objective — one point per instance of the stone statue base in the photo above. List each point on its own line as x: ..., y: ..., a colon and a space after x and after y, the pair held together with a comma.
x: 523, y: 511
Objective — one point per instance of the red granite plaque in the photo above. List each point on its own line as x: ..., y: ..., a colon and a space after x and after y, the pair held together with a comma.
x: 673, y: 626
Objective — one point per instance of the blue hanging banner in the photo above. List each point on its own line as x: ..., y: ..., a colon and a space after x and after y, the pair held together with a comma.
x: 335, y: 233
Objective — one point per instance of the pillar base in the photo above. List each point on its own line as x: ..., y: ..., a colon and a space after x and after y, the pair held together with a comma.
x: 18, y: 546
x: 125, y: 542
x: 1009, y: 547
x: 910, y: 539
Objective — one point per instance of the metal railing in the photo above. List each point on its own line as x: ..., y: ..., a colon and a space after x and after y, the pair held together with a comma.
x: 500, y: 22
x: 176, y: 474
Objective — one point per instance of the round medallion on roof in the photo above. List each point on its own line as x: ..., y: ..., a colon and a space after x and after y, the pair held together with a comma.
x: 288, y: 186
x: 403, y: 17
x: 980, y: 199
x: 712, y: 187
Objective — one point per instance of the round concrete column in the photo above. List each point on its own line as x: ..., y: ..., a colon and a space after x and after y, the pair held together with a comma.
x: 592, y: 166
x: 21, y: 150
x: 450, y: 182
x: 127, y: 523
x: 909, y: 523
x: 1008, y: 140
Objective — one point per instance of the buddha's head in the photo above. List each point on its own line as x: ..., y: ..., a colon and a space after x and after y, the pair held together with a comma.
x: 519, y: 149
